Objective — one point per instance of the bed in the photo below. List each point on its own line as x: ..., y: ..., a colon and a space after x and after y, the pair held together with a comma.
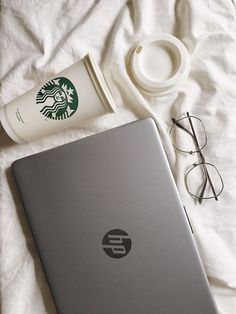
x: 40, y: 38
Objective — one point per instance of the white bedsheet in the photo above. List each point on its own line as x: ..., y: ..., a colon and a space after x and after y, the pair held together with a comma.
x: 40, y: 38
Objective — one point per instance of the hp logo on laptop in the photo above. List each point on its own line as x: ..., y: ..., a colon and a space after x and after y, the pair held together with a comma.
x: 116, y: 243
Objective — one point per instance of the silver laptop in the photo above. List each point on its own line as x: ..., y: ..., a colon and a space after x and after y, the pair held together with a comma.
x: 110, y: 229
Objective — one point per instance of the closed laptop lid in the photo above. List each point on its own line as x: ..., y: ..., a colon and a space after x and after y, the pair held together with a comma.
x: 109, y: 226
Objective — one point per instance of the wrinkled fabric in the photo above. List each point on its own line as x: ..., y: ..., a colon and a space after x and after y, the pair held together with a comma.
x: 40, y: 38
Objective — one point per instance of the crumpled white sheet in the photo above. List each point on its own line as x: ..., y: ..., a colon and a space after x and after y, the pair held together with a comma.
x: 40, y: 38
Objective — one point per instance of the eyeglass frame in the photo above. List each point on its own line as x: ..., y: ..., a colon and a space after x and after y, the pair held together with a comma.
x: 199, y: 151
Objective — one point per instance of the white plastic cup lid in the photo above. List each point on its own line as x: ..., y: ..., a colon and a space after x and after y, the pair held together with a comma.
x: 159, y: 64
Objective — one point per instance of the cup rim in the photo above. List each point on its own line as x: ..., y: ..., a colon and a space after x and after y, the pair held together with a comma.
x: 99, y: 82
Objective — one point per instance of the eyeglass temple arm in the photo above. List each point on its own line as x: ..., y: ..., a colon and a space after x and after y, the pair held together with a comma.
x: 179, y: 125
x: 203, y: 189
x: 203, y: 163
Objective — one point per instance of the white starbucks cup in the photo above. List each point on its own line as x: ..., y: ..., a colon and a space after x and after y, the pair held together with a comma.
x: 159, y: 64
x: 76, y: 94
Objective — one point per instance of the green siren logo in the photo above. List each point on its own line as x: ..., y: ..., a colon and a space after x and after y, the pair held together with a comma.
x: 59, y: 99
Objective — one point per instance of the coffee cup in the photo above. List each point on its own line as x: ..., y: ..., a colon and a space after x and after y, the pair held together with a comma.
x: 76, y: 94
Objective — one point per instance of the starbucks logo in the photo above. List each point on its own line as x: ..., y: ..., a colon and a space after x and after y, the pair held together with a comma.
x: 58, y: 98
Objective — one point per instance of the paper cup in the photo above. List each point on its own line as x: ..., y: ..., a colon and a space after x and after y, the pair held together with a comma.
x: 76, y: 94
x: 158, y: 64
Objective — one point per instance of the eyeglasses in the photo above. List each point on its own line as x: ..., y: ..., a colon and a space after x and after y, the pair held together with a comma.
x: 202, y: 180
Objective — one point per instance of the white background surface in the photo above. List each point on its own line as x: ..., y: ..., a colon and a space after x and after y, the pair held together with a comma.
x: 39, y: 38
